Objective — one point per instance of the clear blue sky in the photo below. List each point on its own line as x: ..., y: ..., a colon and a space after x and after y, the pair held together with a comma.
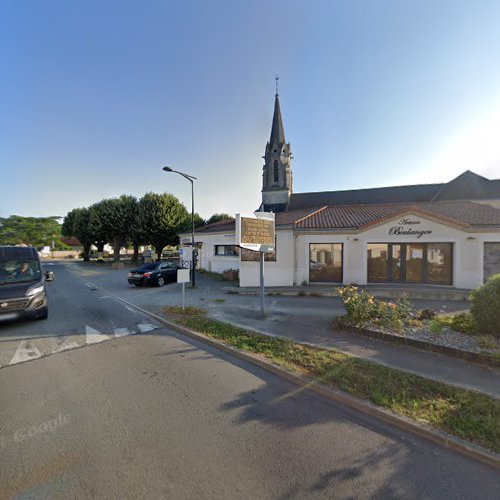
x: 96, y: 96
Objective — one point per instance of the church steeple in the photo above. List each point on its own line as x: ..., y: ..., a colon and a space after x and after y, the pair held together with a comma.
x: 277, y: 170
x: 277, y: 130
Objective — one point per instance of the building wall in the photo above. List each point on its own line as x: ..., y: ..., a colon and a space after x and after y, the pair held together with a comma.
x: 292, y: 257
x: 206, y: 256
x: 279, y: 273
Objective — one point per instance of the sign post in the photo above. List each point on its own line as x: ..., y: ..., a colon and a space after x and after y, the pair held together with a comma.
x: 183, y: 277
x: 256, y: 232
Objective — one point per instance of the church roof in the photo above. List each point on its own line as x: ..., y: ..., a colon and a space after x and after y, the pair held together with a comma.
x: 277, y: 129
x: 467, y: 186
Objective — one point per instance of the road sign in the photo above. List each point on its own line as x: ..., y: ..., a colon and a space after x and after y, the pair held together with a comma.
x: 256, y: 231
x: 182, y: 275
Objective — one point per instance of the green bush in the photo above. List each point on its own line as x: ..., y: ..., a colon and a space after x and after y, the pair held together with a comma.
x: 485, y: 308
x: 464, y: 323
x: 363, y: 309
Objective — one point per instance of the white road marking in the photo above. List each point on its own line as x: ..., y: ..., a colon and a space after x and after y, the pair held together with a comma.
x: 104, y: 297
x: 26, y: 351
x: 130, y: 309
x: 65, y: 345
x: 122, y: 332
x: 94, y: 336
x: 146, y: 327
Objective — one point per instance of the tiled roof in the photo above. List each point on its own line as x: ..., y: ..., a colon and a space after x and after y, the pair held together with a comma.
x: 466, y: 214
x: 462, y: 213
x: 71, y: 241
x: 217, y: 227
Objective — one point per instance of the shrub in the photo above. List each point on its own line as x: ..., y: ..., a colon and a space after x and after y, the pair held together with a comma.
x: 361, y: 308
x: 464, y: 323
x: 435, y: 326
x: 485, y: 308
x: 426, y: 314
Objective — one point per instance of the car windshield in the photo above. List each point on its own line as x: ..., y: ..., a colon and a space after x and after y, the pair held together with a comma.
x: 19, y: 271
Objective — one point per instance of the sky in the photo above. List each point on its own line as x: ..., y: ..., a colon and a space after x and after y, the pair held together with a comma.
x: 96, y: 96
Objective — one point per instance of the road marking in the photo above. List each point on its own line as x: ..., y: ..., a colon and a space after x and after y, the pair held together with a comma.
x: 130, y: 309
x: 105, y: 297
x: 122, y: 332
x: 26, y: 351
x: 146, y: 327
x: 94, y: 336
x: 65, y: 345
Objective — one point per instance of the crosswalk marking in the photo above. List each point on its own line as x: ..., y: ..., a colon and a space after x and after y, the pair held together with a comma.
x: 18, y: 351
x: 65, y: 345
x: 94, y: 336
x: 25, y: 351
x: 122, y: 332
x: 146, y: 327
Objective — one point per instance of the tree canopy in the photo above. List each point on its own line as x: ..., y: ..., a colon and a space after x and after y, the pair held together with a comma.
x: 33, y: 231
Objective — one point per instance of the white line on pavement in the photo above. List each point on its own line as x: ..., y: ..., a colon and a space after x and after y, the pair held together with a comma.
x: 65, y: 345
x: 122, y: 332
x: 94, y: 336
x: 146, y: 327
x: 25, y: 352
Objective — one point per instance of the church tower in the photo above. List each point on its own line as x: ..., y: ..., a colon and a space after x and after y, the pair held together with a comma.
x: 277, y: 170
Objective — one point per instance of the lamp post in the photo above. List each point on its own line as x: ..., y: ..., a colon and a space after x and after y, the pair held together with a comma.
x: 190, y: 178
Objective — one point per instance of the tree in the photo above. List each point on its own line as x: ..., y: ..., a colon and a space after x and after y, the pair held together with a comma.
x: 113, y: 219
x: 33, y: 231
x: 218, y: 218
x: 163, y: 217
x: 97, y: 228
x: 77, y: 224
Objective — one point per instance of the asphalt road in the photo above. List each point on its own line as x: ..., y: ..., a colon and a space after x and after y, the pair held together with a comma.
x: 157, y: 415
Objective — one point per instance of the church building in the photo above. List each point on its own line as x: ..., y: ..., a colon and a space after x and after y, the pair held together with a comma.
x: 445, y: 234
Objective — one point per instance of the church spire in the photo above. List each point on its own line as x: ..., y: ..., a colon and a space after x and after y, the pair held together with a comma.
x: 277, y: 130
x: 277, y: 169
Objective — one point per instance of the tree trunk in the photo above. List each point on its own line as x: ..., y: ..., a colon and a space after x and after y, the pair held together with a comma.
x: 158, y: 252
x: 117, y: 244
x: 135, y: 258
x: 86, y: 251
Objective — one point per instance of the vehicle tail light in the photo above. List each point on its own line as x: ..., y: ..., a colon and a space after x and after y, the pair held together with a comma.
x: 130, y: 275
x: 147, y: 275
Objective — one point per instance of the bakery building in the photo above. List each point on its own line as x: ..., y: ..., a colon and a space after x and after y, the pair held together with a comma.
x: 444, y: 234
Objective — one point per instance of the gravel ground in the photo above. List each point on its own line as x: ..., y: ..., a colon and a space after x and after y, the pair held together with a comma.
x: 449, y: 338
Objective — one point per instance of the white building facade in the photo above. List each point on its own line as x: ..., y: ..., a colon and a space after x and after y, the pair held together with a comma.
x: 435, y: 234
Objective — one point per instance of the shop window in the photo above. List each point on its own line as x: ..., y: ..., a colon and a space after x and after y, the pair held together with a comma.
x: 439, y: 256
x: 378, y: 254
x: 325, y: 262
x: 410, y: 263
x: 226, y: 250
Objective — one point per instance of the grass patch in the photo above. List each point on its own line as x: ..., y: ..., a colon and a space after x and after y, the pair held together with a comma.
x: 463, y: 413
x: 212, y: 275
x: 188, y: 311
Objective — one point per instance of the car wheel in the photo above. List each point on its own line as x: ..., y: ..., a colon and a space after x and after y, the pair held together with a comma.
x: 44, y: 314
x: 137, y: 284
x: 160, y: 281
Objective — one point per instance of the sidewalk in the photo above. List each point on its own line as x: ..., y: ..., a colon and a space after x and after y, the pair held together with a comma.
x: 307, y: 319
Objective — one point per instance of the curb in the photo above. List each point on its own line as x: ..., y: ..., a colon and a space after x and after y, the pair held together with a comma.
x: 478, y: 358
x: 437, y: 437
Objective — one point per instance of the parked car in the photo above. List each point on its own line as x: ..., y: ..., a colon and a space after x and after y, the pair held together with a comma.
x: 22, y: 284
x: 155, y: 273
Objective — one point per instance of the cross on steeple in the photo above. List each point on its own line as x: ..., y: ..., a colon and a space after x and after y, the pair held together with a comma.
x: 276, y: 78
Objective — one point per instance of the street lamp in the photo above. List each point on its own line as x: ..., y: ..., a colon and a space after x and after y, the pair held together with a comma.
x: 190, y: 178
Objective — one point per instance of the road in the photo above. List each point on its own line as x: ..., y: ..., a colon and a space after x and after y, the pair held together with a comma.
x: 156, y: 415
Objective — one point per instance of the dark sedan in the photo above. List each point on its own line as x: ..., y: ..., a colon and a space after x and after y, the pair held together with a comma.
x: 156, y: 273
